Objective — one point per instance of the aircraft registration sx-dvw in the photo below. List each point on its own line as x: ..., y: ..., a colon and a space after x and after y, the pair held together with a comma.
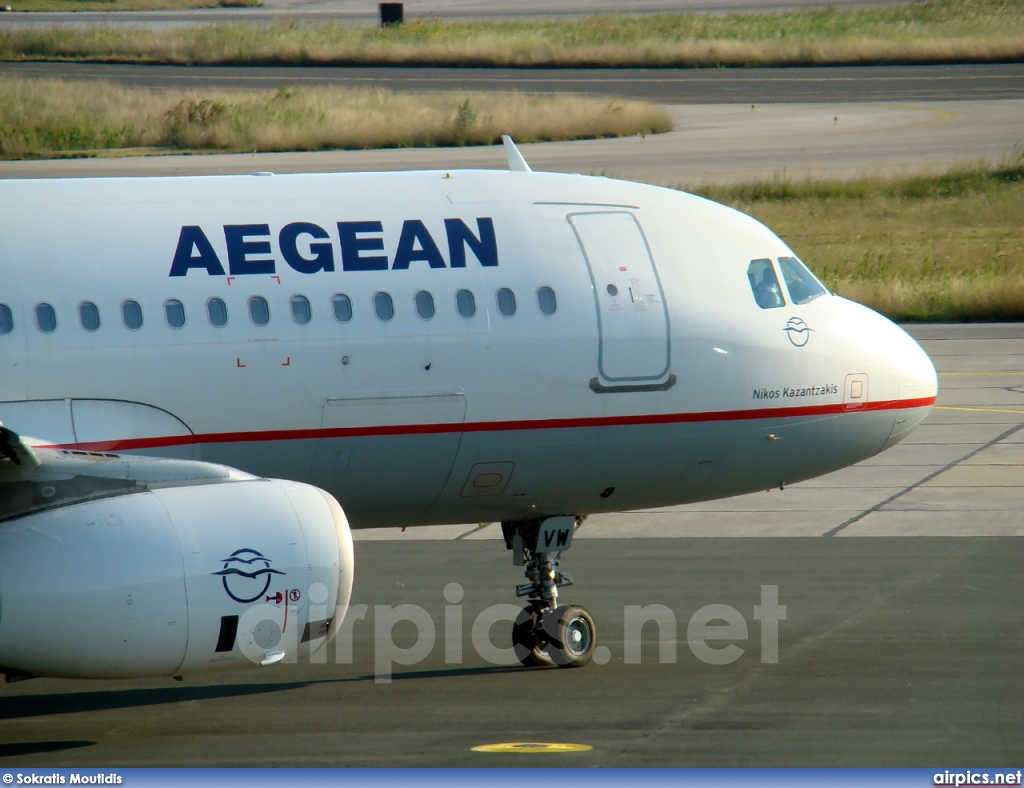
x: 197, y: 375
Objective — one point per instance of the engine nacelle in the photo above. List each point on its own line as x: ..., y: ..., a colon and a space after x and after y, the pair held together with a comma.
x: 180, y: 580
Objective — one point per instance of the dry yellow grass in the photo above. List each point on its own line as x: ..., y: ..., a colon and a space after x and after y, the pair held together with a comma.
x: 955, y: 298
x: 922, y: 32
x: 47, y: 118
x: 949, y: 247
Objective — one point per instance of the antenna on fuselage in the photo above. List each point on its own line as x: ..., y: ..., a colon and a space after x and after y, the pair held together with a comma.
x: 516, y: 162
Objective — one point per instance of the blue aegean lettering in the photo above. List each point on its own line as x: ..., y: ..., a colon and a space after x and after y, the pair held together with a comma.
x: 309, y: 248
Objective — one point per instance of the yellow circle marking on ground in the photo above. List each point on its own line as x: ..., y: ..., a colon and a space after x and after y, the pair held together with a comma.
x: 531, y: 746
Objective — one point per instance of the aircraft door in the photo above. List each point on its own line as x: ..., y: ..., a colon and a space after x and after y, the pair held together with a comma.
x: 633, y: 323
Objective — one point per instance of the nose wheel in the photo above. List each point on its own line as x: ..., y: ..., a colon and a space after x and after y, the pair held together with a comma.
x: 546, y: 633
x: 564, y: 636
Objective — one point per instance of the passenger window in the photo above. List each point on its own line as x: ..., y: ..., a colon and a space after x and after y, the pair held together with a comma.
x: 6, y: 319
x: 89, y: 314
x: 546, y: 300
x: 383, y: 306
x: 801, y: 284
x: 217, y: 311
x: 174, y: 311
x: 302, y: 313
x: 46, y: 318
x: 764, y: 284
x: 342, y: 307
x: 259, y: 310
x: 466, y: 303
x: 424, y: 304
x: 131, y: 313
x: 506, y: 302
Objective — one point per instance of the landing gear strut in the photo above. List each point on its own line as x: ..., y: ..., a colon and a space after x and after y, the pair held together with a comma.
x: 546, y: 633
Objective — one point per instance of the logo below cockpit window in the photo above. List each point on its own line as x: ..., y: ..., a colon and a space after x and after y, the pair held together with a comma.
x: 246, y: 575
x: 797, y: 331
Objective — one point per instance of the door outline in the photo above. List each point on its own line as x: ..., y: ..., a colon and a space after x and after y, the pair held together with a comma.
x: 657, y: 382
x: 365, y: 413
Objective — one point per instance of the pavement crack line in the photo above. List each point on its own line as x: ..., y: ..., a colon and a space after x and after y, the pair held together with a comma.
x: 925, y: 480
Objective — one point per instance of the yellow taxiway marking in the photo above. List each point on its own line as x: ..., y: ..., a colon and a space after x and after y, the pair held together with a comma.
x: 981, y: 410
x: 531, y: 746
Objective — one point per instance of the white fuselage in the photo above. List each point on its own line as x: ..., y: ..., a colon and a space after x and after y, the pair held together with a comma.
x: 678, y: 387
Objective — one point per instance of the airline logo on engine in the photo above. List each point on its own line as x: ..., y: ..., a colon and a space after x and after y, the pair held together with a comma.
x: 246, y: 575
x: 353, y: 246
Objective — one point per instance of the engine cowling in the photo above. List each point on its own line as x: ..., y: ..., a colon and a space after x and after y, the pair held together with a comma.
x: 178, y: 580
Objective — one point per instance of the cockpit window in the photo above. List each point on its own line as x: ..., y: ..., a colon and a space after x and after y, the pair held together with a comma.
x: 801, y: 284
x: 764, y: 284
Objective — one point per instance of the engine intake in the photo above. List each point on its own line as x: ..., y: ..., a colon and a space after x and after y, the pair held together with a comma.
x: 174, y: 580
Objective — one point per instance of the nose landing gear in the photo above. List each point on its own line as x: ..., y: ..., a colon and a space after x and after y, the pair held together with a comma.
x: 546, y: 633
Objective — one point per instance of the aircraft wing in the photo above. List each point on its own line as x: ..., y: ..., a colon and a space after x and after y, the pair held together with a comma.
x: 17, y: 459
x: 34, y: 478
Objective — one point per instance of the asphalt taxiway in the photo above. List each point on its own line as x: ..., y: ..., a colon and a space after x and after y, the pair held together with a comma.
x: 902, y: 641
x: 804, y: 85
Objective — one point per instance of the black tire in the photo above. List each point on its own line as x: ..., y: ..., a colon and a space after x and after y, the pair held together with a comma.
x: 572, y: 635
x: 528, y: 639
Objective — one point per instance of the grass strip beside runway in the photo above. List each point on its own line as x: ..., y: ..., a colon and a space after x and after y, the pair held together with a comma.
x: 927, y: 31
x: 941, y: 248
x: 52, y: 118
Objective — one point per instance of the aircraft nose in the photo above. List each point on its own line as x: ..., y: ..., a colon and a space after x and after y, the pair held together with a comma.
x: 918, y: 379
x: 906, y: 371
x: 901, y: 368
x: 900, y: 375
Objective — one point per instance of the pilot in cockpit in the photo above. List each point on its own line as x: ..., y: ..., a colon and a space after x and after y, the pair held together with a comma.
x: 764, y: 284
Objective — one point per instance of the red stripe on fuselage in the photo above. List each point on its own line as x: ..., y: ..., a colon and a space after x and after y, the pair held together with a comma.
x: 495, y: 426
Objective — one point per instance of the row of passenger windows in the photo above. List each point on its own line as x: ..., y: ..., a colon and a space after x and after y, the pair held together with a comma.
x: 259, y: 309
x: 800, y: 282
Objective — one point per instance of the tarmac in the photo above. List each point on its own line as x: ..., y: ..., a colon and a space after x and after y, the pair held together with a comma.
x: 791, y: 85
x: 901, y: 642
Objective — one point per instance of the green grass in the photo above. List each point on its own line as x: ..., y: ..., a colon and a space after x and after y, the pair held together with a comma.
x: 48, y: 118
x: 949, y: 247
x: 923, y: 32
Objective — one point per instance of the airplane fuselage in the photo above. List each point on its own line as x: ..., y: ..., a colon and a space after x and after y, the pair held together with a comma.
x: 438, y: 347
